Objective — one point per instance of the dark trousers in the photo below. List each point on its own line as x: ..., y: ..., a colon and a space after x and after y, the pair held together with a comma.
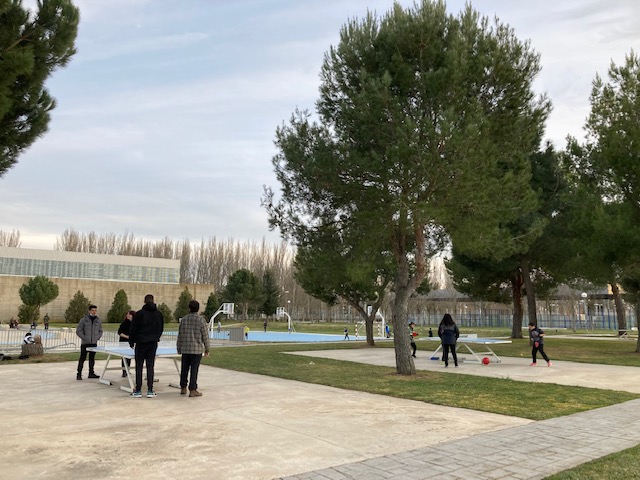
x: 445, y: 354
x: 83, y: 357
x: 413, y: 348
x: 190, y: 361
x: 535, y: 350
x: 145, y: 352
x: 128, y: 360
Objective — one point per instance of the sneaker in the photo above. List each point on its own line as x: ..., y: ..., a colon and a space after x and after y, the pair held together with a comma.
x: 151, y: 394
x: 136, y: 394
x: 414, y: 356
x: 533, y: 364
x: 195, y: 393
x: 124, y: 374
x: 549, y: 364
x: 79, y: 376
x: 93, y: 375
x: 183, y: 391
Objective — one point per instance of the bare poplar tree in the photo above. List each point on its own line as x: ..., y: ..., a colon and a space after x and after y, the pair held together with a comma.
x: 10, y: 239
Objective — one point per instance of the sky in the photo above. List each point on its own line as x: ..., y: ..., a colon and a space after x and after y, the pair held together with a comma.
x: 166, y: 117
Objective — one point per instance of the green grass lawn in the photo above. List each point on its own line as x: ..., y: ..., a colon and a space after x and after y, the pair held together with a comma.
x: 622, y: 465
x: 494, y: 395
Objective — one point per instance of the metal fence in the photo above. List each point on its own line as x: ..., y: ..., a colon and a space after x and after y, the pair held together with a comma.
x: 501, y: 319
x: 53, y: 339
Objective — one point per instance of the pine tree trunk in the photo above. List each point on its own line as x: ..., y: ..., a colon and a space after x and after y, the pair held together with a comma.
x: 518, y: 313
x: 622, y: 319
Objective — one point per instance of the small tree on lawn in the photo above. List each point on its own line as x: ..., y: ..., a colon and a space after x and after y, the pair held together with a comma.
x: 119, y: 307
x: 212, y: 306
x: 166, y: 311
x: 77, y: 308
x: 36, y: 292
x: 182, y: 307
x: 271, y: 292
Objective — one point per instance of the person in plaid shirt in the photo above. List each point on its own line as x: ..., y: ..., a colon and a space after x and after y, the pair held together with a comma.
x: 193, y: 341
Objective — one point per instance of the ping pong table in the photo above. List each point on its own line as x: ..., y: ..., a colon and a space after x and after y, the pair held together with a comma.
x: 467, y: 341
x: 126, y: 352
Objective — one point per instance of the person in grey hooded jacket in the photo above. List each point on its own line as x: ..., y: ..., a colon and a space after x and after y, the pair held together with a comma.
x: 89, y: 330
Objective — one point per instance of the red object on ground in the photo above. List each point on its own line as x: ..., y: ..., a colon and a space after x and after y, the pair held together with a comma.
x: 485, y: 361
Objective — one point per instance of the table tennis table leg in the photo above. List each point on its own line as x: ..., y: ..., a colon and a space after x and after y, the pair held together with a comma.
x: 175, y: 363
x: 127, y: 369
x: 102, y: 378
x: 437, y: 350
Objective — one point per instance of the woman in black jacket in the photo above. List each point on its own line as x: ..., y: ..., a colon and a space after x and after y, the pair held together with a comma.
x: 448, y: 333
x: 123, y: 333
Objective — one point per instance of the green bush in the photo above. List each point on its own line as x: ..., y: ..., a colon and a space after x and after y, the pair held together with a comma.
x: 77, y: 308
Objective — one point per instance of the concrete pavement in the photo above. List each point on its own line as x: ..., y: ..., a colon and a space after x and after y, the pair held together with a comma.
x: 608, y: 377
x: 255, y: 427
x: 529, y: 451
x: 244, y: 427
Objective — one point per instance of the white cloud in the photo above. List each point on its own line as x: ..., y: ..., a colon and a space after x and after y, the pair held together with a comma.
x: 167, y: 115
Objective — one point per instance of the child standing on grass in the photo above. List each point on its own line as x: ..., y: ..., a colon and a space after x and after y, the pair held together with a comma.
x: 537, y: 339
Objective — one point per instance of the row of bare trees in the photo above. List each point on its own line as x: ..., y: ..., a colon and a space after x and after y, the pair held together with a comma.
x: 212, y: 261
x: 10, y: 239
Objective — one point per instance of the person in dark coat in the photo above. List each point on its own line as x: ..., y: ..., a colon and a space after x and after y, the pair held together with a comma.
x: 537, y: 340
x: 146, y: 329
x: 448, y: 333
x: 412, y: 339
x: 123, y: 334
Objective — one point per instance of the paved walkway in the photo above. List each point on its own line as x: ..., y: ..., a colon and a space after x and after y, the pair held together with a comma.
x: 532, y: 451
x: 529, y: 452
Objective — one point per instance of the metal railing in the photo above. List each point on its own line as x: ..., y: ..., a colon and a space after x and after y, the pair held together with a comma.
x: 53, y: 339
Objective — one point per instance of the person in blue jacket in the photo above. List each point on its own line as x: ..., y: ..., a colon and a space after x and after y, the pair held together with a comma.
x: 448, y: 333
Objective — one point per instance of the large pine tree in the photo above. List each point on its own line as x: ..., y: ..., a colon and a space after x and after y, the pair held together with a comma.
x: 32, y: 46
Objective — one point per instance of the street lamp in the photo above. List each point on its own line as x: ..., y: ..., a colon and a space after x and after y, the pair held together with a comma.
x: 584, y: 309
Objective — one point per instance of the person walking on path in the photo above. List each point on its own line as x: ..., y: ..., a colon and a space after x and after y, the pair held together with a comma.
x: 192, y: 343
x: 123, y: 334
x: 46, y: 321
x: 89, y: 330
x: 346, y: 333
x: 537, y: 340
x: 448, y: 333
x: 145, y: 332
x: 412, y: 338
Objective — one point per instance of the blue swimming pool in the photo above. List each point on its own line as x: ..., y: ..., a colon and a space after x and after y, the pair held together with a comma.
x: 259, y: 336
x: 256, y: 336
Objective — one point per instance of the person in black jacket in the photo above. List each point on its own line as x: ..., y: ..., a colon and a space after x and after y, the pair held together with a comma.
x: 123, y: 334
x: 412, y: 338
x: 448, y: 333
x: 145, y: 332
x: 537, y: 341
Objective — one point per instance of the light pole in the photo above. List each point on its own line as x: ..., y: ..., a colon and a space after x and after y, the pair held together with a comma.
x: 584, y: 309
